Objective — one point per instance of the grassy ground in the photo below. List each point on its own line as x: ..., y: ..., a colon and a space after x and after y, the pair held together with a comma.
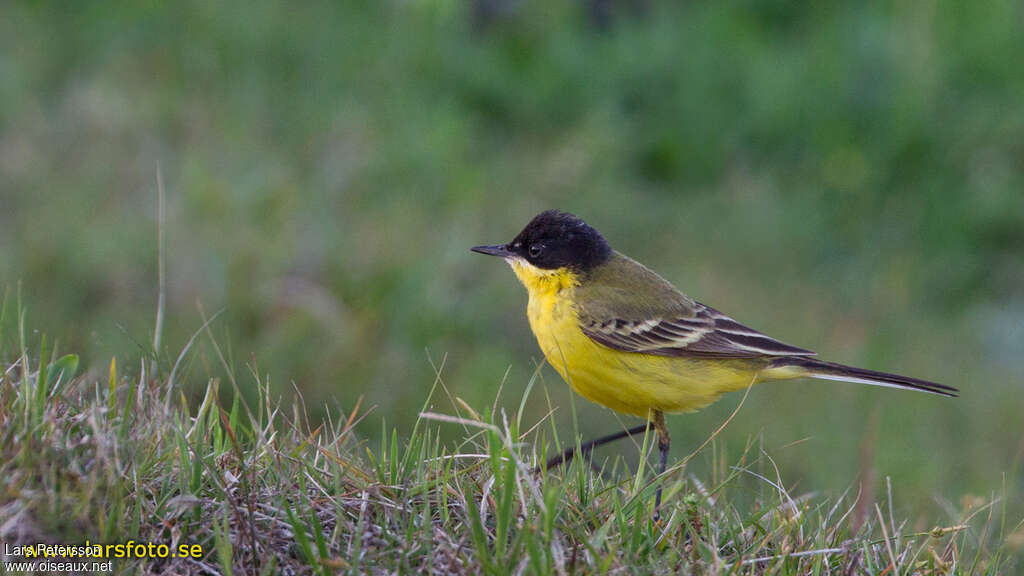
x: 109, y: 458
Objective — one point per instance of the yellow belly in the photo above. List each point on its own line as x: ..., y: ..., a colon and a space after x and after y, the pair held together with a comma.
x: 627, y: 382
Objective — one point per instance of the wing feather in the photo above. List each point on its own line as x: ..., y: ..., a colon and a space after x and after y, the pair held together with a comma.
x: 626, y: 306
x: 707, y: 333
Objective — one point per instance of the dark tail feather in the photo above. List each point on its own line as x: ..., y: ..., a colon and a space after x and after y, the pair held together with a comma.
x: 832, y: 371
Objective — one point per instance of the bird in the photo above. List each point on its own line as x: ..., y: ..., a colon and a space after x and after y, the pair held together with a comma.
x: 624, y: 337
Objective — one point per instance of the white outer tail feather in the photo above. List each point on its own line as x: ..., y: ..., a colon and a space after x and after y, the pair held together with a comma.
x: 820, y: 369
x: 855, y: 380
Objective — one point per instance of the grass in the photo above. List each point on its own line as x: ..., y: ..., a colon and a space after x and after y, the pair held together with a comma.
x: 111, y: 458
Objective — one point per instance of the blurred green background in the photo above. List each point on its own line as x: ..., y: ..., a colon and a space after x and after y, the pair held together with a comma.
x: 844, y: 176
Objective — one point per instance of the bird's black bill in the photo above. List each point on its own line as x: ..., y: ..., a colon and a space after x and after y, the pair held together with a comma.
x: 499, y: 250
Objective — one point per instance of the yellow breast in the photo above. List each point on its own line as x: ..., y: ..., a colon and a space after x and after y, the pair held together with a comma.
x: 627, y: 382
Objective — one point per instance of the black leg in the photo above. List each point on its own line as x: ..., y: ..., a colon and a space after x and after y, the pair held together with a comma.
x: 663, y: 446
x: 569, y: 453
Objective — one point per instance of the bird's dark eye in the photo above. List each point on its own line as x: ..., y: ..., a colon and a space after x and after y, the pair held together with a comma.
x: 535, y: 250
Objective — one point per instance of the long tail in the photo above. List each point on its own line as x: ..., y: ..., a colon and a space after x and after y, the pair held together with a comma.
x: 797, y: 366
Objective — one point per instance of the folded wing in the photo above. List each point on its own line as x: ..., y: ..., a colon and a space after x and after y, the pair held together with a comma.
x: 707, y: 332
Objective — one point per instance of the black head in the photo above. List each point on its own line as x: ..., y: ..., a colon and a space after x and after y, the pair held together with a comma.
x: 555, y: 239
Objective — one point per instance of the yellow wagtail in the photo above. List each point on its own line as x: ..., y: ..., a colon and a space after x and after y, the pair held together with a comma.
x: 624, y: 337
